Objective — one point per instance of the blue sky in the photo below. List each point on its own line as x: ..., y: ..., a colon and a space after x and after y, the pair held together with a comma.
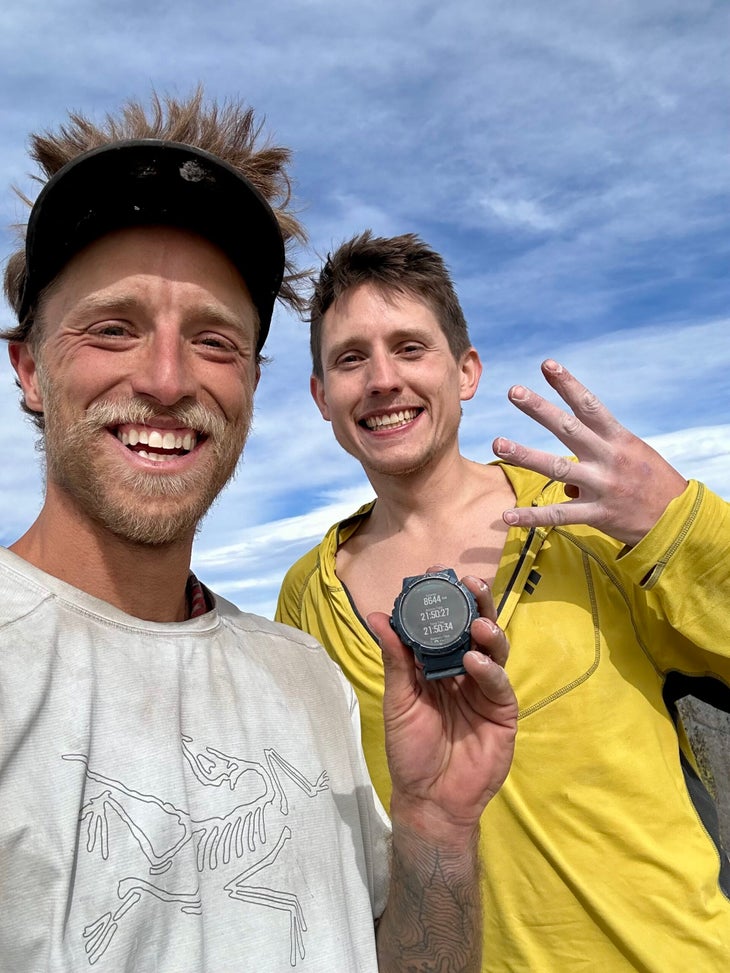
x: 569, y: 159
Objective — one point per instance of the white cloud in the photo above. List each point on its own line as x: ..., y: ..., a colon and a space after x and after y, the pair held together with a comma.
x: 518, y: 213
x: 569, y: 159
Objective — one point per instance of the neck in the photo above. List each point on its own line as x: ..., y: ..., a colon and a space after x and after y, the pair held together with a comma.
x: 432, y: 492
x: 148, y: 582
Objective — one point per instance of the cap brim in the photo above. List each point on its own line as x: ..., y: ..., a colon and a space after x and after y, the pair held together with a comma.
x: 145, y: 182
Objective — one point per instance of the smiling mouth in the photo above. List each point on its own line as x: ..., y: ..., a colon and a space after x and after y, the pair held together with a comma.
x: 391, y: 420
x: 158, y: 445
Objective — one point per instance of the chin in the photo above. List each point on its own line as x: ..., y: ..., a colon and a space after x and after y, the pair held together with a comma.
x: 147, y: 530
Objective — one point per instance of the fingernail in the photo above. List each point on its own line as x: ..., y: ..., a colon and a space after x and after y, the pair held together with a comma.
x: 481, y: 657
x: 483, y: 585
x: 504, y: 447
x: 510, y: 517
x: 492, y: 626
x: 552, y: 366
x: 518, y: 392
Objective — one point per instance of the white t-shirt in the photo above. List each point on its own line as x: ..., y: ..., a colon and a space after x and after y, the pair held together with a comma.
x: 178, y: 797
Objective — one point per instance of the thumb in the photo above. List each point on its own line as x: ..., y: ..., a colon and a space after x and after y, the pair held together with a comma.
x: 399, y: 663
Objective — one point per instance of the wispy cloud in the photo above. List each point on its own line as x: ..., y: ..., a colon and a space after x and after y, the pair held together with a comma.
x: 569, y: 159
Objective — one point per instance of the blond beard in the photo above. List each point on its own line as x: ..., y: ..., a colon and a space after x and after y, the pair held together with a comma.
x: 150, y: 509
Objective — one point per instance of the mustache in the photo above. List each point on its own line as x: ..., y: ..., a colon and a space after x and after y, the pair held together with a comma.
x: 189, y: 415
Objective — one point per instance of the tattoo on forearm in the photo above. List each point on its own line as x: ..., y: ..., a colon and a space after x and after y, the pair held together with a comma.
x: 434, y: 912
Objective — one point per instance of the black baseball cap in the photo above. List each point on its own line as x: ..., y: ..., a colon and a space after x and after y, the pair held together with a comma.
x: 146, y: 182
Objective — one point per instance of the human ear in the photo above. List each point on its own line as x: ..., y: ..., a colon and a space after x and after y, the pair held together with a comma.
x: 23, y: 360
x: 470, y: 368
x: 316, y: 387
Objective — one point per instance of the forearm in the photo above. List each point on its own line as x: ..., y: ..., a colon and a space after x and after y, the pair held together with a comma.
x: 433, y: 919
x: 449, y: 744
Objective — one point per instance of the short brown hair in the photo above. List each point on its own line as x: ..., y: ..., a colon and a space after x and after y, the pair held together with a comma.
x: 400, y: 264
x: 228, y: 131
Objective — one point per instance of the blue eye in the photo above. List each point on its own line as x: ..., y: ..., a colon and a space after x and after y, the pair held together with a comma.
x: 351, y: 358
x: 112, y: 330
x: 217, y: 343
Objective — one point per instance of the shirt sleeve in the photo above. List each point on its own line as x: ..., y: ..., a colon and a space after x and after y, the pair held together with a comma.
x: 683, y: 568
x: 376, y: 830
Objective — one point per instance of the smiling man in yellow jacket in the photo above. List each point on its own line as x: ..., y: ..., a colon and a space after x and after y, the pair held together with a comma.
x: 612, y: 576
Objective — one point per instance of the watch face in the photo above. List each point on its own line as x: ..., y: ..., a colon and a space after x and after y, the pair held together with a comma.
x: 435, y: 613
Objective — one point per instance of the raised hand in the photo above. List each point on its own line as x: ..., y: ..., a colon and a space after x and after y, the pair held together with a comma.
x: 449, y: 741
x: 619, y: 484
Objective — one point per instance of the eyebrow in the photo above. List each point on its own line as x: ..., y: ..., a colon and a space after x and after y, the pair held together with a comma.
x: 102, y: 304
x: 206, y: 313
x: 220, y: 316
x: 412, y: 333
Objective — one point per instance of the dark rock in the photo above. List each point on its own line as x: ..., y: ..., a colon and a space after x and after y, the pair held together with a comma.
x: 708, y: 731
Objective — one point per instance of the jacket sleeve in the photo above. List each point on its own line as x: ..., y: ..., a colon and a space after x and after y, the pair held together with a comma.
x: 682, y: 567
x: 286, y: 605
x: 289, y: 603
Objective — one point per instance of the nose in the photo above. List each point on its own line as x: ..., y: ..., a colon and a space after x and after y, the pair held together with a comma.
x: 382, y: 376
x: 164, y: 371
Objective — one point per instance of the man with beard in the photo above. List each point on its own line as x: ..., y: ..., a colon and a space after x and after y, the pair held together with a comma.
x: 611, y: 575
x: 182, y: 783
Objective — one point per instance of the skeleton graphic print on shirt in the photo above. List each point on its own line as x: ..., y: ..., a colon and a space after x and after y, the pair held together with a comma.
x: 238, y: 845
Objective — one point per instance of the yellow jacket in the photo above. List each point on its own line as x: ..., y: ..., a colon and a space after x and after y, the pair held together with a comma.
x: 595, y: 857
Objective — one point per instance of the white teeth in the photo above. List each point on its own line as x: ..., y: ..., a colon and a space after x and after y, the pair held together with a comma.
x: 394, y: 419
x: 157, y: 440
x: 155, y: 457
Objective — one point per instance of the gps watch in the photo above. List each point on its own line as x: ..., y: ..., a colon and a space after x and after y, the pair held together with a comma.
x: 432, y: 615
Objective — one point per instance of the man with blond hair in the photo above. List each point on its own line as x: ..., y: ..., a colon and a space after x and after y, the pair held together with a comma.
x: 182, y: 783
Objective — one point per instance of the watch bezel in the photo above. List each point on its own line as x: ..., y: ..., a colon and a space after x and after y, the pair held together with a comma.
x: 437, y: 661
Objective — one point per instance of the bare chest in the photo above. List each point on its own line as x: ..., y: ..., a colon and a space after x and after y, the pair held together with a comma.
x: 373, y: 572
